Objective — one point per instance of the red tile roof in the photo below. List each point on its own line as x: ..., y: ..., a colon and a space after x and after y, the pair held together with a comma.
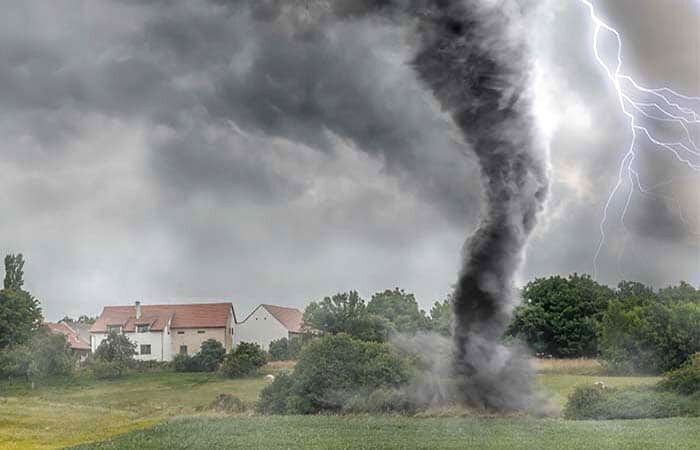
x: 195, y: 315
x: 291, y: 318
x: 75, y: 341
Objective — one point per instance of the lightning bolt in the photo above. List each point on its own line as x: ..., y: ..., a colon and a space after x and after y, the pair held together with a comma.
x: 643, y: 106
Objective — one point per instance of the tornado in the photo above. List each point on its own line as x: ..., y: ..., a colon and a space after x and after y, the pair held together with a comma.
x: 474, y: 58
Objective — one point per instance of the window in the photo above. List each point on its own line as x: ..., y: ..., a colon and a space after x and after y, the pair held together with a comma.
x: 143, y: 328
x: 114, y: 328
x: 180, y: 332
x: 183, y: 349
x: 200, y: 331
x: 145, y: 349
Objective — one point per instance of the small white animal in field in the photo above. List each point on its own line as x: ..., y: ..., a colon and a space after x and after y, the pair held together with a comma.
x: 600, y: 384
x: 269, y: 378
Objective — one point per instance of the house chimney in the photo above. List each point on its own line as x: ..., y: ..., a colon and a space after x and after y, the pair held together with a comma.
x: 138, y: 309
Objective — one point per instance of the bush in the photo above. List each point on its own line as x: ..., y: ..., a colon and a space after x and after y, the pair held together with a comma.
x: 382, y: 401
x: 286, y: 349
x: 208, y: 359
x: 274, y: 398
x: 245, y: 360
x: 684, y: 381
x: 210, y: 355
x: 600, y: 403
x: 184, y: 363
x: 330, y: 372
x: 279, y: 350
x: 227, y: 403
x: 107, y: 370
x: 45, y: 355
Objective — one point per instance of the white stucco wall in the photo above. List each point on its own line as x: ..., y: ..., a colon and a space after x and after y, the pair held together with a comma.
x: 155, y: 339
x: 152, y: 338
x: 261, y: 328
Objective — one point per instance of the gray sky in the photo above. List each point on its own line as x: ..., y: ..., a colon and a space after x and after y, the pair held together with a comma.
x: 176, y: 151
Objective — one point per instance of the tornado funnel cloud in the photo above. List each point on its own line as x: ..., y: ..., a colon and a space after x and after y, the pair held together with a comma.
x: 474, y: 58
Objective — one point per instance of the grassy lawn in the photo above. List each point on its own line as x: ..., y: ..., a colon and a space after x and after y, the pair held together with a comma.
x: 66, y: 414
x: 368, y: 432
x: 86, y: 411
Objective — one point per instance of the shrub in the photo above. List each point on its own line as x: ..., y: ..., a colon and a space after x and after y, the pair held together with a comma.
x: 274, y: 397
x: 227, y: 403
x: 287, y: 349
x: 208, y: 359
x: 245, y: 360
x: 184, y: 363
x: 107, y: 370
x: 599, y: 403
x: 279, y: 350
x: 45, y: 355
x: 210, y: 355
x: 382, y: 401
x: 330, y: 372
x: 686, y: 380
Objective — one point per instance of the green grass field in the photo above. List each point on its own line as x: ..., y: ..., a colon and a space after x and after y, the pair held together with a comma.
x: 163, y: 410
x: 368, y: 432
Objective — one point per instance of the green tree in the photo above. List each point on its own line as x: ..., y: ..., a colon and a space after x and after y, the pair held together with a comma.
x: 400, y: 309
x: 113, y: 357
x: 14, y: 273
x: 346, y: 313
x: 649, y: 336
x: 559, y: 315
x: 684, y: 292
x: 441, y: 315
x: 20, y: 314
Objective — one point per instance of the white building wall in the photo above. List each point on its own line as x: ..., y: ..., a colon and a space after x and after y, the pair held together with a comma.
x: 152, y: 338
x: 96, y: 339
x: 155, y: 339
x: 261, y: 328
x: 168, y: 354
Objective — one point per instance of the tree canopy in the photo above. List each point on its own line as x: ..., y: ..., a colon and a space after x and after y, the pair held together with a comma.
x: 559, y: 315
x: 400, y: 309
x: 346, y: 313
x: 20, y: 314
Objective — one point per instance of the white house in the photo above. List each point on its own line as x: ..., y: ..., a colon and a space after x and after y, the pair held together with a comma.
x: 162, y: 331
x: 268, y: 323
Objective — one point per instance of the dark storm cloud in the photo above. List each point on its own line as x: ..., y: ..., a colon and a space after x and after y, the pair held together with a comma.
x: 176, y: 149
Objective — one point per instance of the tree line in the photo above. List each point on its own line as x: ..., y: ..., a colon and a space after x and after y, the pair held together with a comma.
x: 632, y: 327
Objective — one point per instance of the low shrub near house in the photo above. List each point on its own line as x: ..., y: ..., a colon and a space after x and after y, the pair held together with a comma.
x: 107, y: 370
x: 286, y: 349
x: 245, y: 360
x: 333, y: 373
x: 208, y: 359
